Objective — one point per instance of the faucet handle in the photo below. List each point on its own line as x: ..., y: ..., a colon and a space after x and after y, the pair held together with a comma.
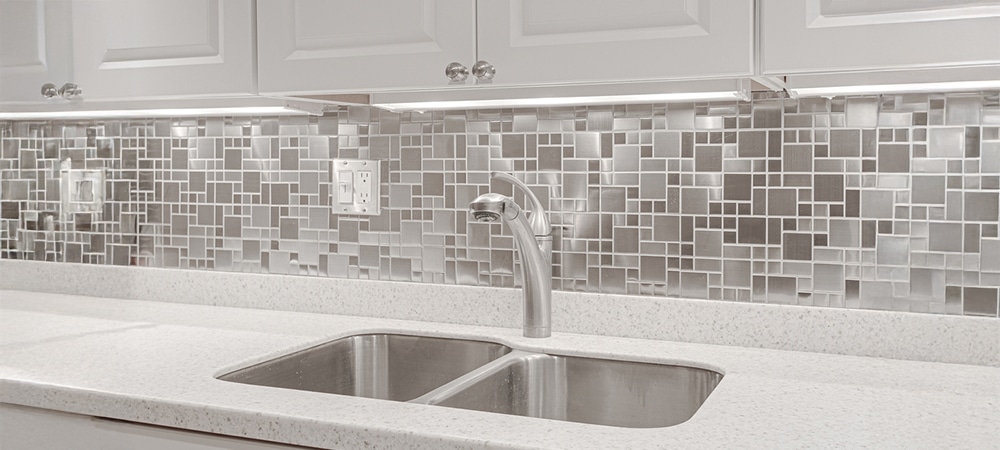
x: 537, y: 217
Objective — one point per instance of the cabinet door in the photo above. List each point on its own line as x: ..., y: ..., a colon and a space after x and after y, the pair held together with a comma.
x: 567, y: 41
x: 312, y: 46
x: 34, y: 47
x: 803, y: 36
x: 163, y: 48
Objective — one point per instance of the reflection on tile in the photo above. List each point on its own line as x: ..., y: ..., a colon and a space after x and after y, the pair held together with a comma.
x: 990, y: 156
x: 828, y: 277
x: 990, y: 257
x: 782, y: 290
x: 736, y: 273
x: 694, y: 285
x: 892, y: 250
x: 855, y: 202
x: 946, y: 142
x: 877, y: 204
x: 963, y: 109
x: 862, y: 112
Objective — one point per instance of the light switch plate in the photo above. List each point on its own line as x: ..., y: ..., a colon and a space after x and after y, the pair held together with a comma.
x: 355, y: 187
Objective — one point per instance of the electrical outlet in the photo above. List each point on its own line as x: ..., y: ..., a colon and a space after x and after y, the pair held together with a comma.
x: 364, y: 184
x: 355, y: 187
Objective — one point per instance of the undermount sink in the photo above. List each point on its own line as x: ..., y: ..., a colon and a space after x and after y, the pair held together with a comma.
x: 491, y: 377
x: 383, y: 366
x: 585, y: 390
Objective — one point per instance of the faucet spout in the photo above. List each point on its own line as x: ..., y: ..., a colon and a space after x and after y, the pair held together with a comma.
x: 536, y: 260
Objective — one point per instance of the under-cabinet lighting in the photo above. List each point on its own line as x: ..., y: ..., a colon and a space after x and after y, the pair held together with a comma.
x: 165, y: 112
x: 561, y: 101
x: 260, y: 106
x: 489, y: 96
x: 929, y: 80
x: 903, y: 88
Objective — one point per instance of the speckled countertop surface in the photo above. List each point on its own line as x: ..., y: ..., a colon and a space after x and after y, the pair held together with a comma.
x: 155, y: 363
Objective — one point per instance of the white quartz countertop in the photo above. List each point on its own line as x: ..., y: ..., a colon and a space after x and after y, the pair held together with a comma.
x: 156, y: 363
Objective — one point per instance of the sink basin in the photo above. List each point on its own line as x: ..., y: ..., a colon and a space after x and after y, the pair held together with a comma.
x: 381, y: 366
x: 490, y: 377
x: 585, y: 390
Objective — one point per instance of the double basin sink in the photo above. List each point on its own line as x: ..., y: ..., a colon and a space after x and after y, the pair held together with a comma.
x: 491, y: 377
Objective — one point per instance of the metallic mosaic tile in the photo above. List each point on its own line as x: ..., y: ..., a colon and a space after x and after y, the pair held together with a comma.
x: 883, y: 202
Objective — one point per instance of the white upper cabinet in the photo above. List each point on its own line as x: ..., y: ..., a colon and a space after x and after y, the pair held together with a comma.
x: 125, y: 49
x: 316, y: 46
x: 571, y: 41
x: 34, y: 50
x: 821, y: 36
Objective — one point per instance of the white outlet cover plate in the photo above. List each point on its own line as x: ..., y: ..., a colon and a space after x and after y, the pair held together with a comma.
x: 347, y: 194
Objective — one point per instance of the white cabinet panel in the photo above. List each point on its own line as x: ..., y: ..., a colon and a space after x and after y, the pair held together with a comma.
x: 312, y: 46
x: 813, y: 36
x: 566, y: 41
x: 34, y: 47
x: 128, y: 48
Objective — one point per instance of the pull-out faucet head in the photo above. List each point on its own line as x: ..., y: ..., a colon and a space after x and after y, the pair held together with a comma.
x: 492, y: 207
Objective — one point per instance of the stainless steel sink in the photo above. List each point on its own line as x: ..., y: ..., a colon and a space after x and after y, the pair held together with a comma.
x: 491, y: 377
x: 585, y: 390
x: 382, y: 366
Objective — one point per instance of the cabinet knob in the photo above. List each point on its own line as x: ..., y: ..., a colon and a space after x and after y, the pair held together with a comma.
x: 70, y: 90
x: 456, y: 71
x: 49, y: 90
x: 484, y: 71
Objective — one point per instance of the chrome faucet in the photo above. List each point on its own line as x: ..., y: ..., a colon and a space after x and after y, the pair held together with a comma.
x: 533, y: 237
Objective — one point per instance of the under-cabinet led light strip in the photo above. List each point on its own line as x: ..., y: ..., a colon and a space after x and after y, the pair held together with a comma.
x: 947, y: 86
x: 478, y: 97
x: 74, y: 110
x: 160, y: 112
x: 559, y: 101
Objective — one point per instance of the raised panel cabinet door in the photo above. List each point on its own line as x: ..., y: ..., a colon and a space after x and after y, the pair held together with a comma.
x: 34, y: 47
x: 316, y: 46
x: 574, y: 41
x: 163, y: 48
x: 810, y: 36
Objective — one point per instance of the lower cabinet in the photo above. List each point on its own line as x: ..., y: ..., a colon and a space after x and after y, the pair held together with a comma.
x: 24, y: 428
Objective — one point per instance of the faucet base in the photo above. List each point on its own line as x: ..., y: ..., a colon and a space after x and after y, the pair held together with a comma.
x: 537, y: 332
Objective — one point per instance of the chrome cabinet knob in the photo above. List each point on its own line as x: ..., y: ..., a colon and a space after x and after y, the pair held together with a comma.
x: 456, y: 71
x: 484, y: 71
x: 49, y: 90
x: 70, y: 90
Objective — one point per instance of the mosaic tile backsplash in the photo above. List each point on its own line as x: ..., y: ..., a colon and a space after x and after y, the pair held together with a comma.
x: 882, y: 202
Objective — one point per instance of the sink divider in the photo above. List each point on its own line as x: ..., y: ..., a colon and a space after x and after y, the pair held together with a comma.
x: 459, y: 384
